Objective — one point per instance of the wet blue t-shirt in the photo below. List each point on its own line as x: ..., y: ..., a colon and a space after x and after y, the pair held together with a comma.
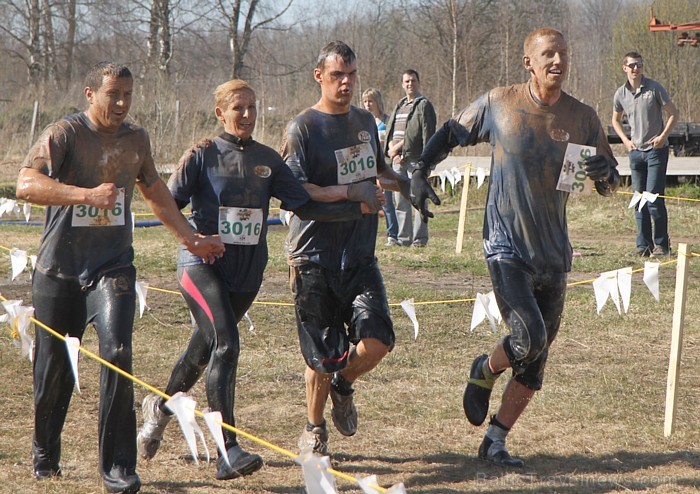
x: 227, y: 172
x: 326, y: 149
x: 525, y: 215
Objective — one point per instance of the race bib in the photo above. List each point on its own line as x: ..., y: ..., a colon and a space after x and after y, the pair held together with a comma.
x: 356, y: 163
x: 84, y: 215
x: 240, y: 226
x: 573, y: 177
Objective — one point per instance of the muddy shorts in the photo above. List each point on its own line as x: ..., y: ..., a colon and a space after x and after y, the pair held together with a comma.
x: 336, y: 308
x: 531, y: 306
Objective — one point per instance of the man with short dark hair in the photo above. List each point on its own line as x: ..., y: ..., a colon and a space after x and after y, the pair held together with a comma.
x: 644, y: 100
x: 84, y: 167
x: 333, y: 149
x: 411, y: 125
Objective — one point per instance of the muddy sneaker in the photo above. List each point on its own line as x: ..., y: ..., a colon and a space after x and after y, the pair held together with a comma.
x: 315, y: 438
x: 496, y: 453
x: 154, y: 422
x: 478, y: 390
x: 242, y: 464
x: 343, y: 412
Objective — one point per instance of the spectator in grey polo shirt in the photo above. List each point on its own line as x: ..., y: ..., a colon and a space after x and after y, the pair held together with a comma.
x: 643, y: 101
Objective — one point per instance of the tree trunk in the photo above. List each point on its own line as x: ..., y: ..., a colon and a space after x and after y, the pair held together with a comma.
x: 50, y: 64
x: 34, y: 43
x: 70, y: 45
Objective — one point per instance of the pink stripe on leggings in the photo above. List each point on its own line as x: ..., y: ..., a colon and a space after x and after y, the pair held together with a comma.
x: 189, y: 286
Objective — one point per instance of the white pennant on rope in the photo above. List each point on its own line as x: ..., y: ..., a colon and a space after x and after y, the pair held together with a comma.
x: 284, y: 217
x: 368, y: 484
x: 8, y: 206
x: 251, y: 326
x: 480, y: 176
x: 624, y: 284
x: 651, y: 278
x: 410, y: 309
x: 18, y: 259
x: 73, y: 347
x: 317, y: 478
x: 606, y: 286
x: 183, y: 407
x: 443, y: 179
x: 133, y: 222
x: 214, y: 421
x: 142, y: 292
x: 457, y: 174
x: 32, y: 259
x: 19, y: 319
x: 397, y: 489
x: 647, y: 197
x: 636, y: 197
x: 27, y: 210
x: 485, y: 307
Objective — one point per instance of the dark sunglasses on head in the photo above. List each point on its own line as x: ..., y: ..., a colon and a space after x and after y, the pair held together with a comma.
x: 635, y: 65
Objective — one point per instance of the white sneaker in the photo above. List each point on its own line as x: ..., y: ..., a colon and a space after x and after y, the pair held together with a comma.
x: 154, y: 423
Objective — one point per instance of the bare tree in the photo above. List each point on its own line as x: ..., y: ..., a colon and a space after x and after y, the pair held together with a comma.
x: 160, y: 43
x: 241, y: 28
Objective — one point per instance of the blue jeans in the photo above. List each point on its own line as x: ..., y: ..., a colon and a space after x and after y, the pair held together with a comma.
x: 392, y: 224
x: 649, y: 174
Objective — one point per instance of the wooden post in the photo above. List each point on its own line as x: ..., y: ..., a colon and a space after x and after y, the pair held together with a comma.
x: 674, y: 362
x: 35, y: 117
x: 463, y: 209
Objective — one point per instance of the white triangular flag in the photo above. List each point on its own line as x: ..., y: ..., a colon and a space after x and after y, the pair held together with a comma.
x: 18, y: 258
x: 27, y: 210
x: 214, y: 421
x: 611, y: 282
x: 19, y: 319
x: 636, y: 197
x: 481, y: 311
x: 443, y: 179
x: 457, y: 174
x: 142, y: 292
x: 601, y: 291
x: 192, y: 319
x: 317, y: 478
x: 183, y: 407
x: 8, y: 206
x: 624, y: 284
x: 33, y: 261
x: 284, y: 217
x: 368, y: 484
x: 73, y: 347
x: 480, y: 176
x: 410, y: 309
x: 452, y: 178
x: 647, y: 197
x: 651, y: 278
x: 493, y: 307
x: 251, y: 326
x: 397, y: 489
x: 133, y: 222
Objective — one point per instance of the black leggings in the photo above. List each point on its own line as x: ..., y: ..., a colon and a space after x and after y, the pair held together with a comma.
x: 214, y: 344
x: 65, y: 307
x: 531, y: 305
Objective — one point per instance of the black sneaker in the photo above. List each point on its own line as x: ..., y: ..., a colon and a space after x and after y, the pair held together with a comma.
x: 498, y: 454
x: 47, y: 473
x: 343, y: 412
x: 478, y: 390
x: 120, y: 479
x: 242, y: 463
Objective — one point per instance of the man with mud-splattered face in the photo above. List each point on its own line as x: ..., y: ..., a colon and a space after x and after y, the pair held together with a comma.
x: 85, y: 167
x: 531, y: 128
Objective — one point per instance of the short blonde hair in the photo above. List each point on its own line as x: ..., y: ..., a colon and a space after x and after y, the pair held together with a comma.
x: 223, y: 93
x: 542, y: 32
x: 376, y: 96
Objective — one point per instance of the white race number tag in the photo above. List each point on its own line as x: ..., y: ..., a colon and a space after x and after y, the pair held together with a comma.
x: 84, y: 215
x: 573, y: 177
x: 240, y: 226
x: 356, y: 163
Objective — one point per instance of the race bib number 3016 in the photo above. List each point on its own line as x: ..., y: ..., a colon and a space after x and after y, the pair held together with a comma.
x: 84, y: 215
x: 240, y: 226
x: 356, y: 163
x: 573, y: 177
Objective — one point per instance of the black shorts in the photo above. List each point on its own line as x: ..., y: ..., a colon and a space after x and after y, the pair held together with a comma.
x: 327, y: 302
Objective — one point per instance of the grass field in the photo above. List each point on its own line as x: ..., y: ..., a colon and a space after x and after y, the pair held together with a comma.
x: 596, y: 427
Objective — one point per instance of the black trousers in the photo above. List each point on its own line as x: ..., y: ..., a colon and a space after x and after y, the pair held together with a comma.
x: 66, y: 307
x: 215, y: 344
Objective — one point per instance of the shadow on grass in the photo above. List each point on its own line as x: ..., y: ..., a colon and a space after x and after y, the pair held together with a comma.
x: 576, y: 473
